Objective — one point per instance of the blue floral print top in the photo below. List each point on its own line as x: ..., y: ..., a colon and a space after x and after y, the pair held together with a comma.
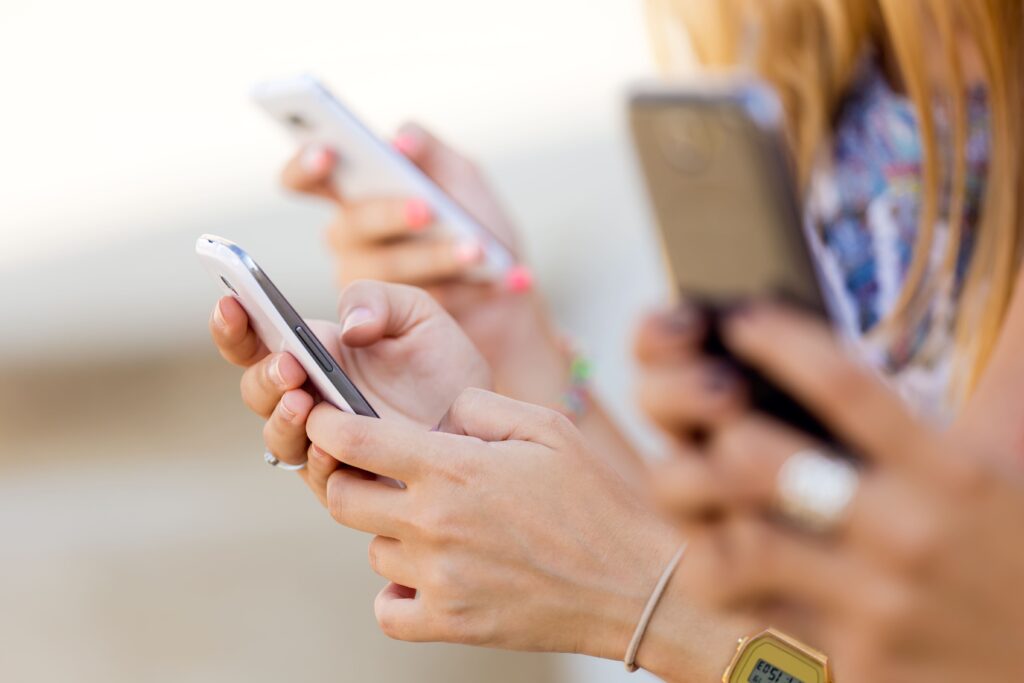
x: 864, y: 206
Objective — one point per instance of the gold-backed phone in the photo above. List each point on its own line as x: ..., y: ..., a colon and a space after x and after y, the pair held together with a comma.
x: 722, y: 190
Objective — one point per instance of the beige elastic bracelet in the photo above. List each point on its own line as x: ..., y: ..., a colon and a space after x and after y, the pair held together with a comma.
x: 652, y: 604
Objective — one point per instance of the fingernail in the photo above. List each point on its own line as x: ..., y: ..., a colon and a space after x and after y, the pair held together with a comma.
x: 518, y: 279
x: 407, y: 144
x: 288, y: 407
x: 275, y: 372
x: 218, y: 315
x: 417, y: 214
x: 360, y: 315
x: 288, y: 412
x: 468, y: 252
x: 316, y: 159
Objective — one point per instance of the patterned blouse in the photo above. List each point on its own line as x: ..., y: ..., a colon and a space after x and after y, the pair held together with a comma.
x: 863, y: 210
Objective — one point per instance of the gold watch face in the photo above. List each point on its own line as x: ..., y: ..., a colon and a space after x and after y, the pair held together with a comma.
x: 773, y: 657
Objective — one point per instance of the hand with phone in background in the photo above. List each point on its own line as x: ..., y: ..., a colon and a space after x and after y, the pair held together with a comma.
x: 731, y: 227
x: 396, y: 354
x: 414, y: 211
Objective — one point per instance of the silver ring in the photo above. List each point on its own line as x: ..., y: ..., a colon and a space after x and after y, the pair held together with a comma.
x: 273, y: 461
x: 814, y: 489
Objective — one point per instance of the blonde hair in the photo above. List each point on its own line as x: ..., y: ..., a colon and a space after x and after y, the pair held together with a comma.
x: 809, y: 51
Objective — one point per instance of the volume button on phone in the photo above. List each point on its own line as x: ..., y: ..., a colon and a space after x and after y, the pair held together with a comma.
x: 314, y: 348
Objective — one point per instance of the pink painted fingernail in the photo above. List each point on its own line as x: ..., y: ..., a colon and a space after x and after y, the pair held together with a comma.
x: 417, y: 214
x: 316, y: 159
x: 407, y: 144
x: 518, y: 279
x: 360, y: 315
x: 468, y: 252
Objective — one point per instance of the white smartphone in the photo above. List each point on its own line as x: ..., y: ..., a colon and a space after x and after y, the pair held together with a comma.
x: 370, y: 167
x: 277, y: 323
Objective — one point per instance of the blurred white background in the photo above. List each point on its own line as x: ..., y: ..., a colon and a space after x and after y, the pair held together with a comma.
x: 142, y: 536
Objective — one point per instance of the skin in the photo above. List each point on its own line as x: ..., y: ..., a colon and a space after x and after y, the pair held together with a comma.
x: 917, y: 601
x: 560, y: 573
x: 393, y: 239
x: 403, y: 351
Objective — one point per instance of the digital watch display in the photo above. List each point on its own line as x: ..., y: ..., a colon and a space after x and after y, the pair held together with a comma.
x: 774, y: 657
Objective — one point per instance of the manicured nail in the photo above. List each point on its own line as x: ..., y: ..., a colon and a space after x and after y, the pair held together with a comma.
x: 316, y: 159
x: 275, y: 372
x: 218, y: 315
x: 406, y: 143
x: 518, y: 279
x: 417, y: 214
x: 360, y: 315
x: 288, y: 412
x: 468, y: 252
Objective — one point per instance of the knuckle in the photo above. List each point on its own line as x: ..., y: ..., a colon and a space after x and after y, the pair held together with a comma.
x: 554, y: 422
x: 250, y: 394
x: 458, y: 471
x: 887, y: 614
x: 352, y: 439
x: 466, y: 402
x: 390, y: 625
x: 437, y: 526
x: 374, y: 555
x: 336, y: 500
x: 916, y: 544
x: 445, y: 576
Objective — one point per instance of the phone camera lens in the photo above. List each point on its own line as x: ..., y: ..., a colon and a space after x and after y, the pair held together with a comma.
x: 297, y: 121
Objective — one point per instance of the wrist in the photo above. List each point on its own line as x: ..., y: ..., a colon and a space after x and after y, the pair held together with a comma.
x: 684, y: 642
x: 530, y: 363
x: 608, y: 620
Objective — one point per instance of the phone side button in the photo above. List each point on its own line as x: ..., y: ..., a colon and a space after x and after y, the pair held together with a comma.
x: 314, y: 348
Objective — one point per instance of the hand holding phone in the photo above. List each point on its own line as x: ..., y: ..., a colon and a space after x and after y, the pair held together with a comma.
x: 729, y: 219
x: 369, y: 168
x: 407, y: 357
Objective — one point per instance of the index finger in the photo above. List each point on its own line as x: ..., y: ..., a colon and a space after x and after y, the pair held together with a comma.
x: 383, y: 447
x: 804, y: 357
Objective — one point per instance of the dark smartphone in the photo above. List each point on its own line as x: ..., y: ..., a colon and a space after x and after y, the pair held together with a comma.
x: 731, y: 227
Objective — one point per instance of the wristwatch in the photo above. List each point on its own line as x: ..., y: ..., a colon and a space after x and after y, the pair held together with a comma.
x: 774, y: 657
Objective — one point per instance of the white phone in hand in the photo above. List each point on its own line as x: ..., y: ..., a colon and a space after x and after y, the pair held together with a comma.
x: 369, y: 166
x: 277, y: 323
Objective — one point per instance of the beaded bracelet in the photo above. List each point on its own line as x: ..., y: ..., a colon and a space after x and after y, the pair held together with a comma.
x: 576, y: 399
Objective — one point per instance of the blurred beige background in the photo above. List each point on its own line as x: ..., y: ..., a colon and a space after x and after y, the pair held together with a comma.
x: 141, y: 535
